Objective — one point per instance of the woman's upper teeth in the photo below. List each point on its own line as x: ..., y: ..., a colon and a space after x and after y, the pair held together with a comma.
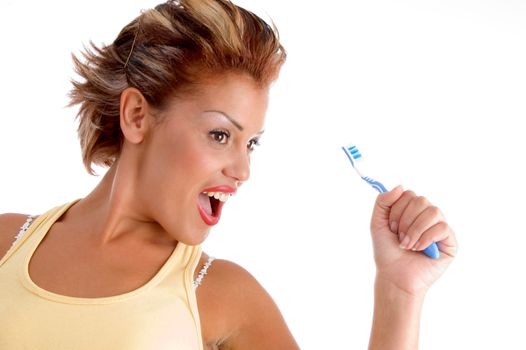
x: 218, y: 195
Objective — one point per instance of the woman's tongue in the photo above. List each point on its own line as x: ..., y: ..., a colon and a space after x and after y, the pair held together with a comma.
x: 204, y: 202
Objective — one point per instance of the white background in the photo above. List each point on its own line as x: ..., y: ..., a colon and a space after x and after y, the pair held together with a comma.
x: 431, y: 91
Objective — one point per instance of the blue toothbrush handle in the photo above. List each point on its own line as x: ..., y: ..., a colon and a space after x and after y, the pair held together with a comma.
x: 431, y: 251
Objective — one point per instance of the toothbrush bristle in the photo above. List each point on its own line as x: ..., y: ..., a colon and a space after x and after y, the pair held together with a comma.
x: 354, y: 151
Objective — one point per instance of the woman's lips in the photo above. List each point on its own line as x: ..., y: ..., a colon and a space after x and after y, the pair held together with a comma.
x: 211, y: 213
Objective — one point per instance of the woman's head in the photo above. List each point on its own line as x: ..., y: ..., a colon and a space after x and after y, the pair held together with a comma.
x: 202, y: 147
x: 164, y: 53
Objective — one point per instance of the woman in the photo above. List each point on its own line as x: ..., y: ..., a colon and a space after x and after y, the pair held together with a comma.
x: 174, y: 107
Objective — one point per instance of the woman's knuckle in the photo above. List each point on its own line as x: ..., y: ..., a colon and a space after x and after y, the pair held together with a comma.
x: 443, y: 226
x: 434, y: 211
x: 422, y: 201
x: 409, y: 194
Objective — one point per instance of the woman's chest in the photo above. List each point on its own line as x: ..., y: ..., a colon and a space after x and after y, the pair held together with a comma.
x: 75, y: 268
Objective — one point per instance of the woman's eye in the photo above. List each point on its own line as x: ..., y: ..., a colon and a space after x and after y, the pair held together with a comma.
x: 219, y: 136
x: 252, y: 144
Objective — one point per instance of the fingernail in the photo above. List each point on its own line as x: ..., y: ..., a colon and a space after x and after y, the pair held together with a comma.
x: 394, y: 226
x: 405, y: 242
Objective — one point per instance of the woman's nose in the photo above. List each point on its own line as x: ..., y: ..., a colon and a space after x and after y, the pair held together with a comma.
x: 239, y: 167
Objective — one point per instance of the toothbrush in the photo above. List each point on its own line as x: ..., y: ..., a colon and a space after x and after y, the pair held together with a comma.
x: 355, y: 157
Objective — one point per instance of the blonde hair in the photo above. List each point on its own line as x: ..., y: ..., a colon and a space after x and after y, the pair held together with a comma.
x: 163, y: 52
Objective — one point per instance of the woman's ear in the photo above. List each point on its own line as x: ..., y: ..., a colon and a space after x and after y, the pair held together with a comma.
x: 134, y: 120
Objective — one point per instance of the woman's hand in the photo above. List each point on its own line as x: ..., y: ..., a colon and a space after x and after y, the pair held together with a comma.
x: 402, y: 225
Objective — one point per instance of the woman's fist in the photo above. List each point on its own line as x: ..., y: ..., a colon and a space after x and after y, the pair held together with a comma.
x: 402, y: 225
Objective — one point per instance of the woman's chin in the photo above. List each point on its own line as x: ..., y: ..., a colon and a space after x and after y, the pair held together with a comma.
x: 197, y: 238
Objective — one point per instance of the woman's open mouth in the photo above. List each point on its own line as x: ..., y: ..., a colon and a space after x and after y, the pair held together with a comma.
x: 210, y: 203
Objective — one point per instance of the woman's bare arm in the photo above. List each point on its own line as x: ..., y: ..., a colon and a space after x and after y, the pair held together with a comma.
x: 402, y: 225
x: 237, y: 313
x: 396, y: 318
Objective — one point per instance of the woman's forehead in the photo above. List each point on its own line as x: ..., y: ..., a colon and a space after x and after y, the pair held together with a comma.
x: 230, y: 94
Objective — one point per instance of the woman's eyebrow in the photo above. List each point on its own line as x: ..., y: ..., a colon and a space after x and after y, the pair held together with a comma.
x: 232, y: 120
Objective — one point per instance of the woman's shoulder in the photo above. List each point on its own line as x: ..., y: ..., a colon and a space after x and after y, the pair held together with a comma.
x: 10, y: 224
x: 235, y: 309
x: 228, y: 277
x: 224, y: 269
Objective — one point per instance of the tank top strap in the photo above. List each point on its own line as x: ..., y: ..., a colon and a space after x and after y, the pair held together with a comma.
x: 31, y: 226
x: 203, y: 272
x: 24, y: 227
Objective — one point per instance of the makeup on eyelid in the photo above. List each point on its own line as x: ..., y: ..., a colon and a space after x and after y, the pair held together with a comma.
x: 230, y: 119
x: 214, y: 134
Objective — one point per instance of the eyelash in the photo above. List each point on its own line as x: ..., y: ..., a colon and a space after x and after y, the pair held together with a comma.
x: 216, y: 134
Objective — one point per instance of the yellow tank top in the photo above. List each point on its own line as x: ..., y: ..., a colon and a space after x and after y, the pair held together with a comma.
x: 160, y: 315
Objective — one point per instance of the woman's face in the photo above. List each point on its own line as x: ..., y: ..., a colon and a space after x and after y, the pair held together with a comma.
x: 201, y: 149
